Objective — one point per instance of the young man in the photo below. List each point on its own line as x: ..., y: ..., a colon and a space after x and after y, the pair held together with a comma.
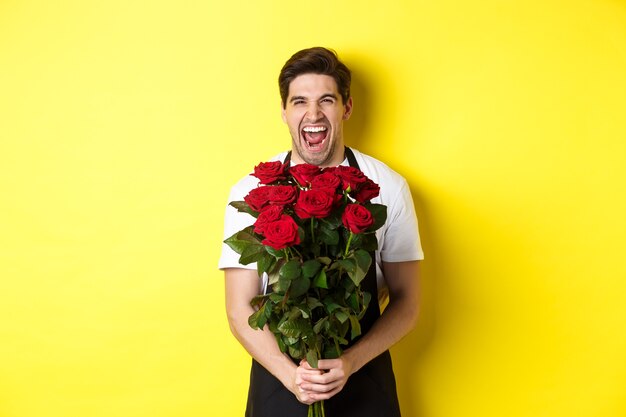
x: 315, y: 92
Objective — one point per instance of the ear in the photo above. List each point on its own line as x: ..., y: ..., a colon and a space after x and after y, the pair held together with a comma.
x: 347, y: 109
x: 283, y: 112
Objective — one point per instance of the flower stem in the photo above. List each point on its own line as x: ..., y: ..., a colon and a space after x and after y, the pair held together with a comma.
x: 312, y: 229
x: 348, y: 245
x: 296, y: 251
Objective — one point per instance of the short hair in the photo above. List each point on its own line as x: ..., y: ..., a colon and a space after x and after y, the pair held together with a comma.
x: 315, y: 60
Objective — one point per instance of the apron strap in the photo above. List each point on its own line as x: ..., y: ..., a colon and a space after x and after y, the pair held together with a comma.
x: 348, y: 152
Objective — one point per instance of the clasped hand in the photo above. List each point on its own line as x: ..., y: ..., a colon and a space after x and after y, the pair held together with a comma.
x: 319, y: 384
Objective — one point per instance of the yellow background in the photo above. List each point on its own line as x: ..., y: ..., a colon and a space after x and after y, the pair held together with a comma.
x: 124, y: 123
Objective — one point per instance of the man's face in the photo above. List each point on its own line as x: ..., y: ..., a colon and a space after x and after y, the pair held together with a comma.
x: 314, y: 113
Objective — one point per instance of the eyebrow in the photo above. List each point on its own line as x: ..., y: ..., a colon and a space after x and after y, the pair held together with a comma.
x: 331, y: 95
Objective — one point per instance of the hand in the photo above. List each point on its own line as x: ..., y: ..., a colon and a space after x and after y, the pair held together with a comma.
x: 324, y: 382
x: 303, y: 373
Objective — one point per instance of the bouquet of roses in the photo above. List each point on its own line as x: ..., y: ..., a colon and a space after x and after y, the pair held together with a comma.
x: 314, y: 237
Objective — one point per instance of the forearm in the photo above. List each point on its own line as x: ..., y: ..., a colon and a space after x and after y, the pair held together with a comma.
x: 262, y: 346
x: 241, y: 286
x: 398, y: 319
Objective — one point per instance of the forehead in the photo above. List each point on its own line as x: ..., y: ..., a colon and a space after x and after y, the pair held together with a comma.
x: 312, y: 85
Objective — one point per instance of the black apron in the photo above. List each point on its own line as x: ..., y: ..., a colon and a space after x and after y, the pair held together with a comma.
x: 369, y: 392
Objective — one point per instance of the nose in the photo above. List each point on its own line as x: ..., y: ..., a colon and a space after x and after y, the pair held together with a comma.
x: 314, y: 111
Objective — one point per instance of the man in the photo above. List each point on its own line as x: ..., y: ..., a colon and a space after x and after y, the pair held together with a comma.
x: 315, y: 93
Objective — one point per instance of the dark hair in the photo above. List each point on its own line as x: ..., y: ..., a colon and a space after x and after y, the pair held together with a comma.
x: 315, y: 60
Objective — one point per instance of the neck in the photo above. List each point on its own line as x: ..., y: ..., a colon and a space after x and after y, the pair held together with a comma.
x: 335, y: 160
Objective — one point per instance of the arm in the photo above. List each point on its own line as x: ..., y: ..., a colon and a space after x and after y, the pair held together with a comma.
x: 397, y: 320
x: 241, y: 286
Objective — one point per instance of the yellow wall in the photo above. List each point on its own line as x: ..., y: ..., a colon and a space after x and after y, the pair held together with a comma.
x: 123, y: 124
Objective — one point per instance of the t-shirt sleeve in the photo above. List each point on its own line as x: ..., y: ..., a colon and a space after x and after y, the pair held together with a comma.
x: 234, y: 221
x: 401, y: 241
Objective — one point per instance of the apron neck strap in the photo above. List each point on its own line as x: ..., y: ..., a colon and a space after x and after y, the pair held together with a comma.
x: 347, y: 151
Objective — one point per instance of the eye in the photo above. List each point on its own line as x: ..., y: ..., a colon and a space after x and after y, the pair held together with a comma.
x: 328, y: 100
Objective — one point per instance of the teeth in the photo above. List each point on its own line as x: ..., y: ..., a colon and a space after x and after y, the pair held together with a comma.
x: 312, y: 129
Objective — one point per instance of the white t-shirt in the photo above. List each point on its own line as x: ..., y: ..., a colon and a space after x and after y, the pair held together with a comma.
x: 398, y: 238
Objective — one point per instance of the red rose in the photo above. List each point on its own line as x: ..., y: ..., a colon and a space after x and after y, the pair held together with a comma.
x: 350, y: 177
x: 368, y: 190
x: 326, y: 180
x: 357, y: 218
x: 281, y: 195
x: 304, y: 173
x: 258, y: 198
x: 314, y: 203
x: 268, y: 215
x: 268, y: 172
x: 281, y: 233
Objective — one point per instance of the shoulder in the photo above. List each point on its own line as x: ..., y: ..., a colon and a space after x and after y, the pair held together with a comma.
x: 379, y: 172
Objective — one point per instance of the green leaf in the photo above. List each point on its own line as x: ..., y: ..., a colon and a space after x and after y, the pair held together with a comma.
x: 379, y: 212
x: 304, y: 310
x: 295, y: 353
x: 353, y: 302
x: 299, y: 286
x: 321, y: 323
x: 369, y: 242
x: 311, y: 358
x: 330, y: 304
x: 276, y: 298
x: 258, y: 300
x: 243, y: 207
x: 240, y: 241
x: 325, y: 260
x: 281, y: 344
x: 278, y: 254
x: 274, y: 273
x: 355, y: 327
x: 363, y: 262
x: 292, y: 328
x: 348, y: 264
x: 320, y: 280
x: 236, y: 244
x: 341, y: 316
x: 262, y: 318
x: 291, y: 270
x: 310, y: 268
x: 290, y: 341
x: 252, y: 253
x: 367, y: 297
x: 265, y: 263
x: 332, y: 351
x: 328, y: 236
x: 313, y: 303
x: 283, y: 284
x: 257, y: 319
x: 333, y: 221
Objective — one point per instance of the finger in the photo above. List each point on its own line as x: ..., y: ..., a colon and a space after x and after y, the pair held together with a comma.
x: 329, y: 363
x: 324, y: 378
x: 321, y: 388
x: 326, y: 395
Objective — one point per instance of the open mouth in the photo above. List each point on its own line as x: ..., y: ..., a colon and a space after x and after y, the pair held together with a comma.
x: 315, y: 136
